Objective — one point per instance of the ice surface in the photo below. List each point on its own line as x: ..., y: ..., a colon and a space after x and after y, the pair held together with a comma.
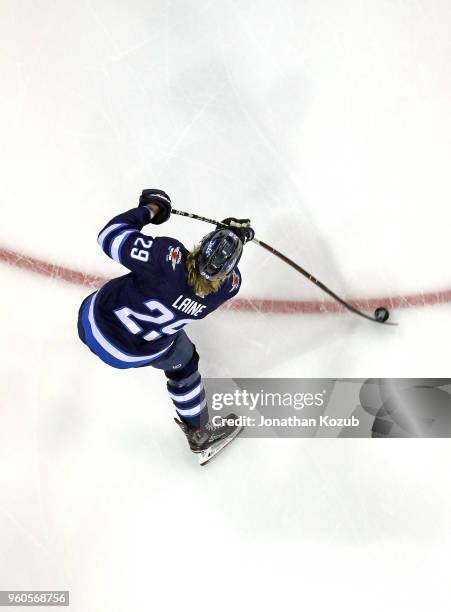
x: 328, y: 124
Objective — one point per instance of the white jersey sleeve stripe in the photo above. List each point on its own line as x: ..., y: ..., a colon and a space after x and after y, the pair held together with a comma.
x: 107, y: 231
x: 118, y: 242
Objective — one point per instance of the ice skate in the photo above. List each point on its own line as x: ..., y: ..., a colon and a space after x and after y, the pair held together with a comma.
x: 209, y: 440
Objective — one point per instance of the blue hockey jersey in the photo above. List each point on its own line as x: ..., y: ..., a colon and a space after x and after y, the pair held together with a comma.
x: 137, y: 315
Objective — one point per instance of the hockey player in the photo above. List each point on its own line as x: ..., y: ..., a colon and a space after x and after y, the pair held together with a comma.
x: 137, y: 320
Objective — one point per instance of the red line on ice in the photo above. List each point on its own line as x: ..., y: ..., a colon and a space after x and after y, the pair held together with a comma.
x: 92, y: 281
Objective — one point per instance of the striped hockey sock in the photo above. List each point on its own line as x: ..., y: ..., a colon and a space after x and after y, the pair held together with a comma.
x: 188, y: 395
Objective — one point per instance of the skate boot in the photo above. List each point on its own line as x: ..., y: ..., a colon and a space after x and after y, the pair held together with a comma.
x: 209, y: 440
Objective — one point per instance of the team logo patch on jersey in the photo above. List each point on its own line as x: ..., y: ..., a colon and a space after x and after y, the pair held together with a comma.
x: 235, y: 282
x: 174, y: 256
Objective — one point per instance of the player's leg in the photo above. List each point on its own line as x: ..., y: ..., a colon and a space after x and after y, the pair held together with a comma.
x: 187, y: 392
x: 185, y: 387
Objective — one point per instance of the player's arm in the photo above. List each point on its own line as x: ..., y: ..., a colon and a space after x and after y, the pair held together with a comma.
x: 241, y: 228
x: 121, y: 238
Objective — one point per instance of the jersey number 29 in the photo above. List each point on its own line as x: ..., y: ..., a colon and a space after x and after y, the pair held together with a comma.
x: 141, y: 254
x: 161, y: 315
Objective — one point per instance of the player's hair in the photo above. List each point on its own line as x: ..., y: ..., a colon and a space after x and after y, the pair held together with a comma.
x: 201, y: 285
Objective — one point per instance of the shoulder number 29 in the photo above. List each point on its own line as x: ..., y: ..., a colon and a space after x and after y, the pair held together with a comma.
x: 141, y: 253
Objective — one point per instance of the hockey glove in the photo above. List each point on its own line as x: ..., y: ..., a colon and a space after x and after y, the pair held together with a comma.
x: 241, y: 227
x: 160, y: 199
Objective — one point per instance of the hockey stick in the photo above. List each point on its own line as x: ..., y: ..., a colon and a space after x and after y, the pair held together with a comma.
x: 297, y: 267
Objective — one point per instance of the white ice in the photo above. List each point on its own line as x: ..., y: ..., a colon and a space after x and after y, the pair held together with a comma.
x: 329, y: 125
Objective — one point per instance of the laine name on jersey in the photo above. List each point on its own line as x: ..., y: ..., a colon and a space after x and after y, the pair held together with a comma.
x: 188, y: 306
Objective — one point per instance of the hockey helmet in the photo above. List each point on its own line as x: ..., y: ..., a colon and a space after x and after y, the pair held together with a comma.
x: 219, y: 254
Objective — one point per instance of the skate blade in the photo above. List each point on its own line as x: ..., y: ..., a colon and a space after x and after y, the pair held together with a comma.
x: 208, y: 454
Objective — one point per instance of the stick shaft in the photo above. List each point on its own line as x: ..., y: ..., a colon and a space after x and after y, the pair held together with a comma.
x: 291, y: 263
